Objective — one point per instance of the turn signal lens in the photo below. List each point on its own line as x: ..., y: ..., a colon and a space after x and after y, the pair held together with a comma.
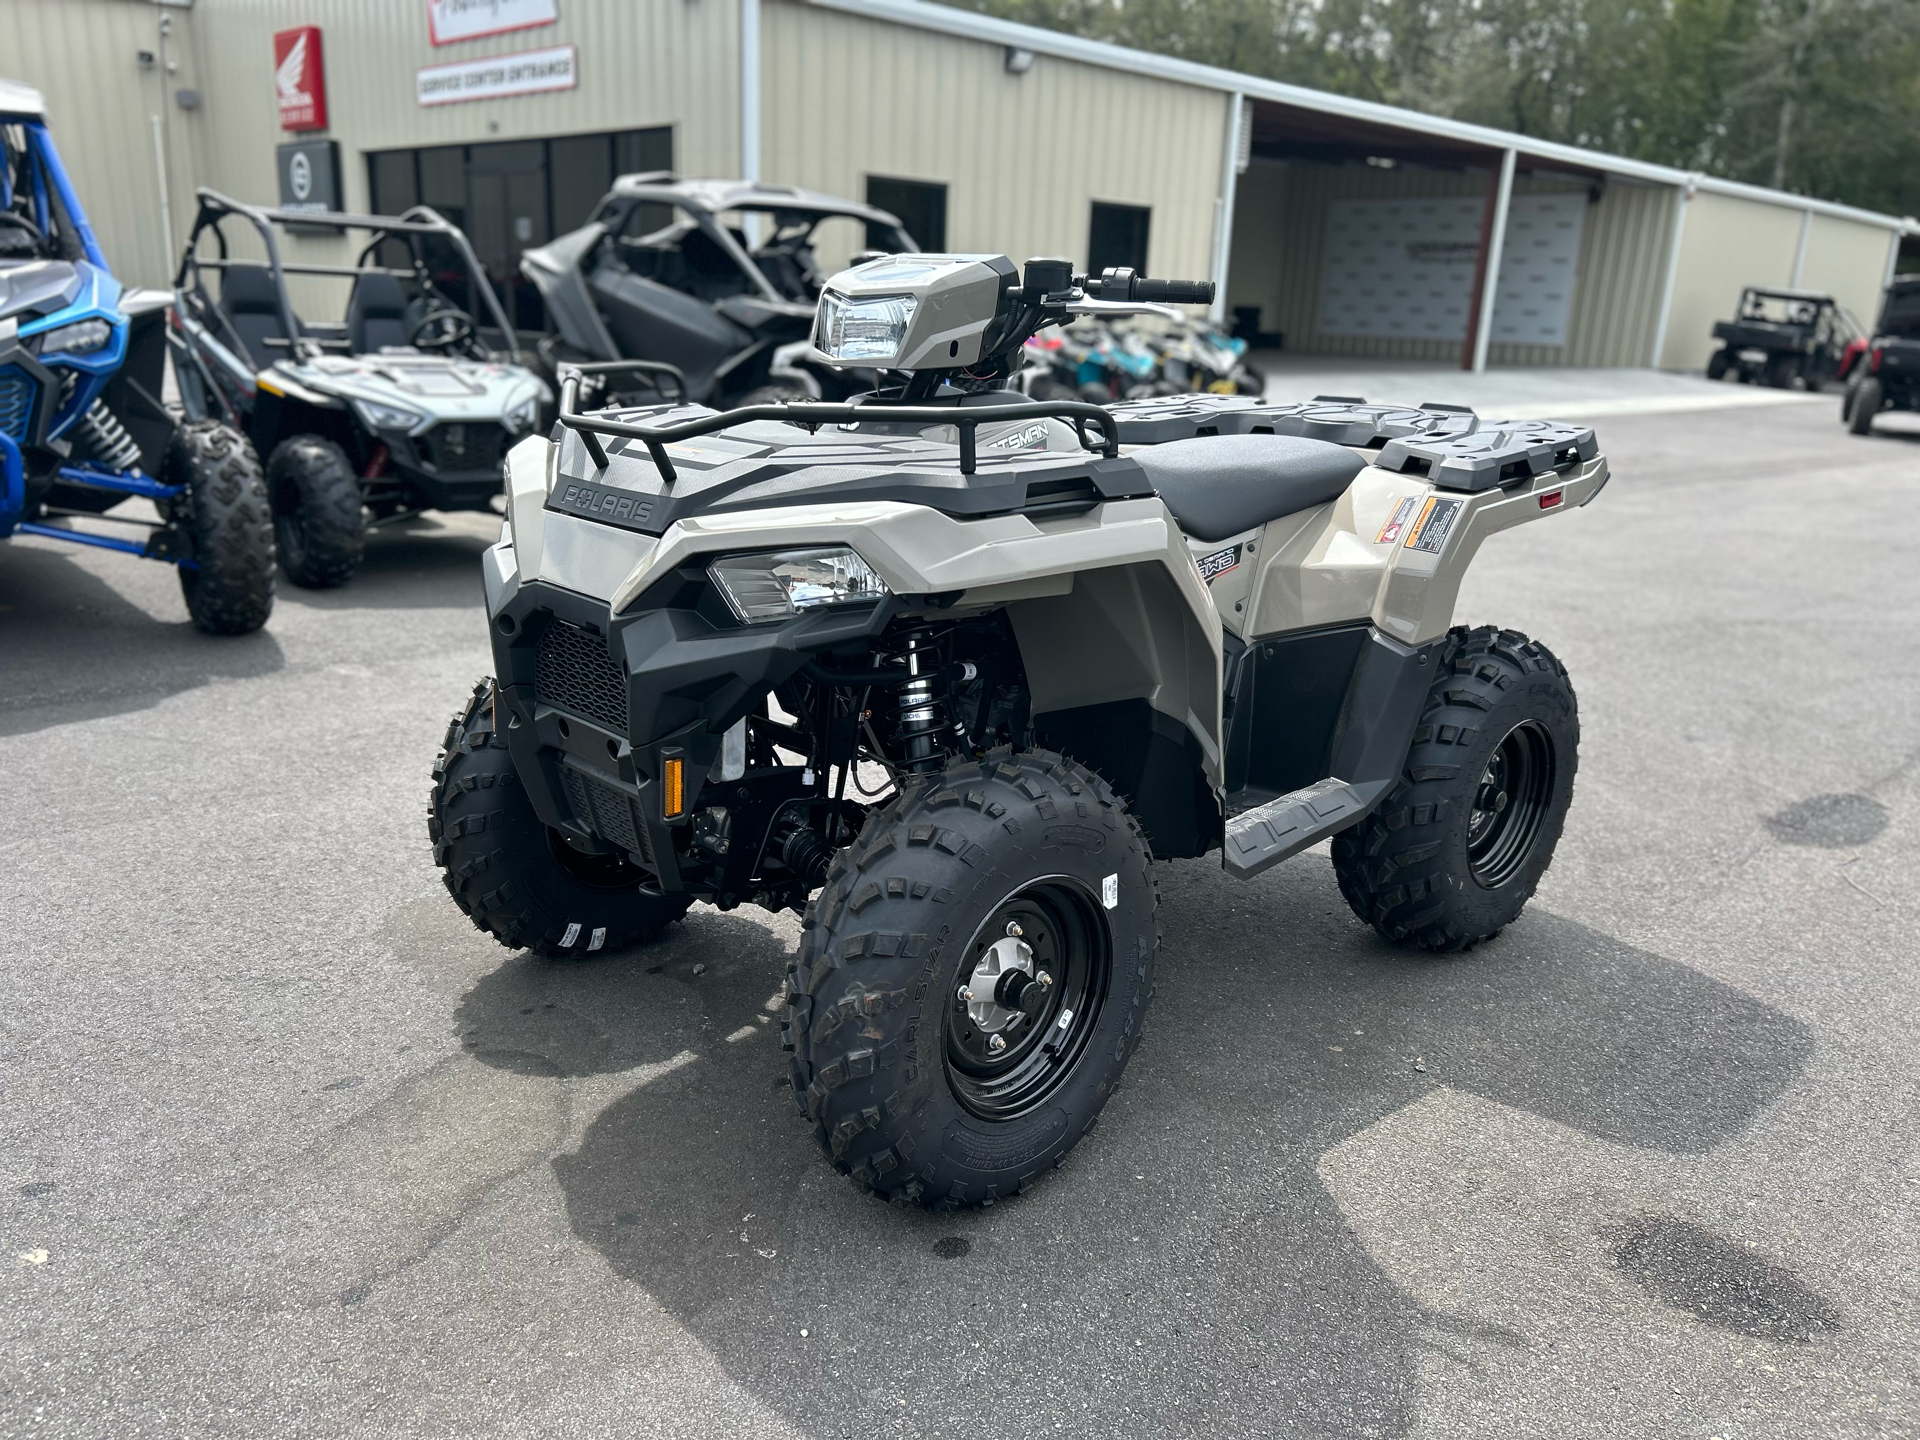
x: 673, y: 784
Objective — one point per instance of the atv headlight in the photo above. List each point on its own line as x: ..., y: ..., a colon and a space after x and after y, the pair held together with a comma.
x: 78, y: 338
x: 387, y: 417
x: 868, y: 330
x: 523, y: 417
x: 778, y: 584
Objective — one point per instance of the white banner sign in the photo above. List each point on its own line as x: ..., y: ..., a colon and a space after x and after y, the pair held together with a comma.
x: 1403, y: 268
x: 451, y: 20
x: 529, y: 73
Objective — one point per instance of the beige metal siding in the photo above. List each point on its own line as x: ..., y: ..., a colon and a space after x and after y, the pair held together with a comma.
x: 1850, y: 260
x: 1022, y: 156
x: 1726, y: 243
x: 83, y: 56
x: 1623, y: 264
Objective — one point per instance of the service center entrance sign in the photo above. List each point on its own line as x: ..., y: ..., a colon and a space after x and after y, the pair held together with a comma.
x: 451, y: 20
x: 529, y: 73
x: 299, y: 82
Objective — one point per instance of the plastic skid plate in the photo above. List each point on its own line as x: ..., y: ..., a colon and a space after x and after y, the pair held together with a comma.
x: 1453, y: 448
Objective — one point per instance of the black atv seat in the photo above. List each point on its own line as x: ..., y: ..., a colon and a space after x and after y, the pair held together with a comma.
x: 376, y: 313
x: 251, y: 302
x: 1219, y: 485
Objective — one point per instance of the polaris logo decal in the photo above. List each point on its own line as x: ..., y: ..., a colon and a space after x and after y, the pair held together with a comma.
x: 1213, y: 566
x: 602, y: 504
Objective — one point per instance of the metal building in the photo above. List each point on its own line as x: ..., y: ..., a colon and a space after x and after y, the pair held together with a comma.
x: 1345, y: 227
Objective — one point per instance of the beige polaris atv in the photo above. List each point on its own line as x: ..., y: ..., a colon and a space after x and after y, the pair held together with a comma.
x: 946, y: 670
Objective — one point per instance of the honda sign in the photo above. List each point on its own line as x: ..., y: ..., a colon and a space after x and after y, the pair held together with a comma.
x: 299, y: 80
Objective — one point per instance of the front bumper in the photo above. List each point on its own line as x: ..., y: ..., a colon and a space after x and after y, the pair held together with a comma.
x: 593, y: 706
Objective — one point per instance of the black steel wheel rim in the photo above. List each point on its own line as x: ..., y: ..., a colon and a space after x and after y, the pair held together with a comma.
x: 1066, y: 931
x: 598, y: 872
x: 1510, y: 804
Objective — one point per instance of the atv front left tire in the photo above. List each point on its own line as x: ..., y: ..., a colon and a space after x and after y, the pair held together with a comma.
x: 223, y: 510
x: 514, y: 878
x: 318, y: 518
x: 1455, y: 851
x: 1023, y: 876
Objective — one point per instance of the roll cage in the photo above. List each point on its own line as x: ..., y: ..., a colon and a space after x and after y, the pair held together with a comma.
x: 679, y: 213
x: 410, y: 229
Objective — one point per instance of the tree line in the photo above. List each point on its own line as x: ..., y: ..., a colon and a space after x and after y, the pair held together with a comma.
x: 1819, y: 97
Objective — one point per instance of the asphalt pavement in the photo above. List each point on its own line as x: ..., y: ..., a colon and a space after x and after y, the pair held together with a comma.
x: 287, y: 1148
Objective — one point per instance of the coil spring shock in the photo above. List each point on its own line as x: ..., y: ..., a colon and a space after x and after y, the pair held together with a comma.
x: 920, y: 704
x: 107, y: 438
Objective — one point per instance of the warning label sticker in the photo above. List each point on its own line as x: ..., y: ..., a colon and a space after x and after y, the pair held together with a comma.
x: 1436, y: 520
x: 1218, y: 563
x: 1396, y: 523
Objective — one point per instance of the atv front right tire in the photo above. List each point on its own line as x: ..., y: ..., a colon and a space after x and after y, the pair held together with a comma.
x: 513, y: 877
x: 223, y: 509
x: 1024, y: 868
x: 1864, y: 404
x: 317, y: 515
x: 1455, y: 851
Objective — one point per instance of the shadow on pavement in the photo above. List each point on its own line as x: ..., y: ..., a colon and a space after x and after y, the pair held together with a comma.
x: 1186, y: 1270
x: 72, y: 647
x: 426, y: 563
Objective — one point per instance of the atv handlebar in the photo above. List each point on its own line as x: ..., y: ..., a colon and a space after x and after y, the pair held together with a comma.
x: 656, y: 438
x: 1120, y: 283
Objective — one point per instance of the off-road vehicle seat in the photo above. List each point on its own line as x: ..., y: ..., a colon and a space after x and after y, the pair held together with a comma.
x: 251, y: 302
x: 376, y: 313
x: 1220, y: 485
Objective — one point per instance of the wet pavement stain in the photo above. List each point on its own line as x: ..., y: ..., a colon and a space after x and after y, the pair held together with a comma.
x: 1833, y: 822
x: 952, y: 1247
x: 1718, y: 1281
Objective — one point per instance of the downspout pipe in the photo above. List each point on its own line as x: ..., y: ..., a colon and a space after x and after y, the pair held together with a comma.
x: 750, y: 89
x: 1490, y: 270
x: 1229, y: 187
x: 1683, y: 197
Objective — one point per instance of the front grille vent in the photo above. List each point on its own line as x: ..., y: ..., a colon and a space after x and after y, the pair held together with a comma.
x: 606, y: 811
x: 576, y: 673
x: 17, y: 389
x: 466, y: 446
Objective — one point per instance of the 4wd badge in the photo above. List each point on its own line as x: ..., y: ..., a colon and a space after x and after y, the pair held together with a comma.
x: 1218, y: 563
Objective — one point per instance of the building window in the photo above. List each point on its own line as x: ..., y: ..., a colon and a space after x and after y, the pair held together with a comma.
x: 510, y: 195
x: 921, y: 206
x: 1117, y: 236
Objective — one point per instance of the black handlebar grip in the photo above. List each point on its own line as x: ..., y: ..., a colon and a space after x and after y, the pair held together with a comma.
x: 1174, y: 292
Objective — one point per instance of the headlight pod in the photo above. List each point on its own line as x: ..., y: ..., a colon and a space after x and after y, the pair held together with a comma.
x: 779, y: 584
x: 521, y: 418
x: 871, y: 331
x: 387, y: 417
x: 82, y: 337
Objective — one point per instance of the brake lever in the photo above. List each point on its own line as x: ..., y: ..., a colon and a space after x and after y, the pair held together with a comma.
x: 1121, y: 307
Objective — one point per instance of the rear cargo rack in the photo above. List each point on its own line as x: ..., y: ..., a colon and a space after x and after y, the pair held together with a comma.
x: 656, y: 438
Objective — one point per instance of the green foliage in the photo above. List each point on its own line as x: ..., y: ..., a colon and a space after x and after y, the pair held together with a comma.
x: 1821, y: 97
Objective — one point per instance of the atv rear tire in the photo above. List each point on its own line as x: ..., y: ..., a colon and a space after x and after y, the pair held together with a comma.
x: 512, y: 876
x: 1865, y: 404
x: 892, y: 1066
x: 229, y: 587
x: 317, y: 515
x: 1456, y: 849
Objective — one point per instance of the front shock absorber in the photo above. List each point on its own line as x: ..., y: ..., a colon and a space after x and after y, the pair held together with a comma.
x: 107, y: 438
x: 920, y: 704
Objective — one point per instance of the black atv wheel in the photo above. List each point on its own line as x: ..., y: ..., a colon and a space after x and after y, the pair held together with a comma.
x: 1717, y: 365
x: 988, y: 877
x: 1865, y: 403
x: 513, y: 877
x: 1780, y: 371
x: 1456, y: 849
x: 317, y: 515
x: 229, y: 586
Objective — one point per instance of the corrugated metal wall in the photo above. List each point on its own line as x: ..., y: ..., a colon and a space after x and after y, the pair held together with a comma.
x: 1280, y: 223
x: 84, y: 56
x: 1726, y: 242
x: 1023, y: 156
x: 1848, y: 259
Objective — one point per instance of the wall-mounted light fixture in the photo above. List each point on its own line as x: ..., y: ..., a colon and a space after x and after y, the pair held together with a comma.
x: 1018, y: 61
